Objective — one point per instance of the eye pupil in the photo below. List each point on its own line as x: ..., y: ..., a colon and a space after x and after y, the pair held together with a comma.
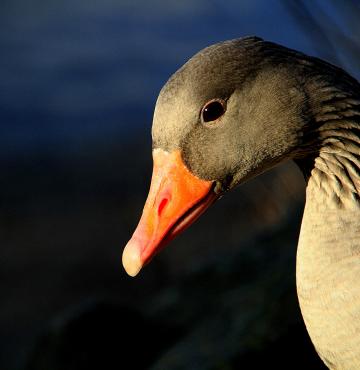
x: 213, y: 111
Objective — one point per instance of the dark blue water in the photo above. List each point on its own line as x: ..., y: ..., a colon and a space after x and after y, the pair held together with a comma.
x: 82, y: 69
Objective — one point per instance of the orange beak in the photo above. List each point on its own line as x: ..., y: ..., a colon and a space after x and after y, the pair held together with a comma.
x: 176, y: 199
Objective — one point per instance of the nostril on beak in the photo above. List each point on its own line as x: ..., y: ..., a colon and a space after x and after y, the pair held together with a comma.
x: 162, y: 205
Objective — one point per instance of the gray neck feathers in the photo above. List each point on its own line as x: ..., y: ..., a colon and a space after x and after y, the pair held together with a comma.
x: 332, y: 146
x: 328, y: 269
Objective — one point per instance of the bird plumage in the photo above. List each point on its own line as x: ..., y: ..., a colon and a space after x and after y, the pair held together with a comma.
x: 280, y: 104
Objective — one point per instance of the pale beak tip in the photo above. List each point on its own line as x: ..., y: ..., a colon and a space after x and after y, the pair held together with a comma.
x: 131, y: 259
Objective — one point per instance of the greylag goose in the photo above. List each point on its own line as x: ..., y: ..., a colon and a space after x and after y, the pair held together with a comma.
x: 233, y: 111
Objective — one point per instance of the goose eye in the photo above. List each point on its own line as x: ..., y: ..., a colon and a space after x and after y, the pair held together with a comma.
x: 213, y: 110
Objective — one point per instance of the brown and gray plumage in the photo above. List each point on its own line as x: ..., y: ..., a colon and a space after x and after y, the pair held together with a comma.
x: 275, y: 104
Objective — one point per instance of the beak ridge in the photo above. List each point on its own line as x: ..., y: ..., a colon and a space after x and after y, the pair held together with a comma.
x: 176, y: 199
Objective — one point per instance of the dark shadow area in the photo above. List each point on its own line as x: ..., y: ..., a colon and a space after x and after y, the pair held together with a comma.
x: 102, y: 336
x: 294, y: 348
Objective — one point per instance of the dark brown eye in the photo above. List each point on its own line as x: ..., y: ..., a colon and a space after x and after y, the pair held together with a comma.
x: 213, y: 110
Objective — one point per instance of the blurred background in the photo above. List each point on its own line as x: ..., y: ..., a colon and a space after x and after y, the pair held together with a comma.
x: 78, y: 83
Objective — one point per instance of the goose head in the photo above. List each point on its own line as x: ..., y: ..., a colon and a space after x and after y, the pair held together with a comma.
x: 232, y: 111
